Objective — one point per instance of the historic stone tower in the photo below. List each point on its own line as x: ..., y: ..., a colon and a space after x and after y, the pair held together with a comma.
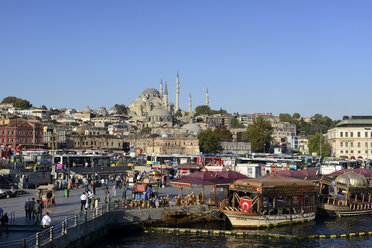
x: 207, y: 98
x: 166, y: 94
x: 190, y: 103
x: 161, y: 88
x: 177, y: 94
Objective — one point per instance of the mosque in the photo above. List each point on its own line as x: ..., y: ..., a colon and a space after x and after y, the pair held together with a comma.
x: 153, y: 108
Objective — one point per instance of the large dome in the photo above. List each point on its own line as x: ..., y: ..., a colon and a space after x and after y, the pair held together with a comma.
x: 159, y: 112
x: 191, y: 128
x: 151, y: 91
x: 352, y: 179
x: 87, y: 110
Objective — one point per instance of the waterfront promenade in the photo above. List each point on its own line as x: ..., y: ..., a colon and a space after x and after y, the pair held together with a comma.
x: 67, y: 207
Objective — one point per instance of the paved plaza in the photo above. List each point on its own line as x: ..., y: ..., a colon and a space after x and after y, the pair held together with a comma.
x: 66, y: 207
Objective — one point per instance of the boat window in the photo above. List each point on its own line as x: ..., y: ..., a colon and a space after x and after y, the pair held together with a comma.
x: 307, y: 200
x: 288, y: 201
x: 279, y: 202
x: 295, y: 200
x: 264, y: 202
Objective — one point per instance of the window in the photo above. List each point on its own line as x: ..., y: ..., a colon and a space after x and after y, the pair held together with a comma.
x: 351, y: 151
x: 346, y: 144
x: 351, y: 134
x: 358, y: 134
x: 366, y: 134
x: 346, y: 151
x: 358, y: 144
x: 366, y: 144
x: 346, y: 134
x: 341, y: 134
x: 342, y: 144
x: 359, y: 152
x: 351, y: 144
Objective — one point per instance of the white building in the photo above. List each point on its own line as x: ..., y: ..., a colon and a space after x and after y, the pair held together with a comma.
x: 352, y: 137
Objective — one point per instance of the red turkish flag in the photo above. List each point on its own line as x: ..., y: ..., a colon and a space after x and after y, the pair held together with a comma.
x: 245, y: 204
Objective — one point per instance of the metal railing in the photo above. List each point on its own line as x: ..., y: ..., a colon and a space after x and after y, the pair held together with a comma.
x: 56, y: 231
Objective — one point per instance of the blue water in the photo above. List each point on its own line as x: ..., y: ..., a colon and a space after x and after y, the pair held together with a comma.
x: 320, y: 226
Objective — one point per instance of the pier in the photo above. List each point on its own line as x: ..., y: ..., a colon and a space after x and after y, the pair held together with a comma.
x: 87, y: 227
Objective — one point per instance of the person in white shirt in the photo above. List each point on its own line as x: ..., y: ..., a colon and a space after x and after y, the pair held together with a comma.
x: 90, y: 198
x: 83, y: 199
x: 46, y: 221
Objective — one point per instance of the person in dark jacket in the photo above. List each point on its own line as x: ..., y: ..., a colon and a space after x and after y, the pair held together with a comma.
x: 27, y: 209
x: 4, y: 222
x: 37, y: 211
x: 31, y: 208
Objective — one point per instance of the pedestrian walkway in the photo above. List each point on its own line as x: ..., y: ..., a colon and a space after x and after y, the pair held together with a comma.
x: 67, y: 207
x: 64, y: 207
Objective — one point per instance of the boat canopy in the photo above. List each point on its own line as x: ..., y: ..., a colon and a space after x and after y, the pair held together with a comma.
x: 273, y: 183
x: 352, y: 179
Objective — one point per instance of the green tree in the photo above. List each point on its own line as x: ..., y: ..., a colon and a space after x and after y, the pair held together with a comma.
x: 17, y: 102
x: 314, y: 145
x: 223, y: 134
x: 43, y: 107
x: 220, y: 112
x: 178, y: 114
x: 146, y: 130
x: 285, y: 118
x: 121, y: 109
x: 296, y: 116
x: 209, y: 142
x: 202, y: 110
x: 234, y: 123
x: 259, y: 133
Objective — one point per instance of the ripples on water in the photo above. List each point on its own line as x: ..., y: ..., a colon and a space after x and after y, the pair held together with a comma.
x: 320, y: 226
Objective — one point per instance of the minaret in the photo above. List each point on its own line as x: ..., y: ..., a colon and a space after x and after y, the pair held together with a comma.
x: 161, y: 88
x: 166, y: 94
x: 190, y: 103
x: 207, y: 98
x: 177, y: 94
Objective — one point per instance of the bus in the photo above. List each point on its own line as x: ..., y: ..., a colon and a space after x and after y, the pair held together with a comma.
x: 174, y: 159
x: 73, y: 160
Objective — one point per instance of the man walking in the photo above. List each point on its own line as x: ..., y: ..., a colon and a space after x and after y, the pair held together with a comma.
x: 37, y: 211
x: 94, y: 187
x: 83, y: 199
x: 4, y: 222
x: 31, y: 208
x: 86, y: 184
x: 46, y: 221
x: 27, y: 211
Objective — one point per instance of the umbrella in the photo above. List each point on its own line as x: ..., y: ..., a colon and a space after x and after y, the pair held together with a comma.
x: 203, y: 176
x: 301, y: 174
x: 365, y: 172
x: 230, y: 175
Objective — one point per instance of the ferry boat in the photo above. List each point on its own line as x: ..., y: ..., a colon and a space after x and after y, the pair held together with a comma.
x: 270, y: 201
x: 346, y: 195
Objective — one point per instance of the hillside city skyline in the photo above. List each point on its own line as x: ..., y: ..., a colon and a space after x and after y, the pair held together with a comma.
x: 278, y: 57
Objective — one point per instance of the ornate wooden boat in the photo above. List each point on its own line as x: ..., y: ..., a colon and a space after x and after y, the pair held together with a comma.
x: 270, y: 201
x: 346, y: 195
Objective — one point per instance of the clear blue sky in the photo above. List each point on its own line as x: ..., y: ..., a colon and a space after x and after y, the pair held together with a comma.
x: 254, y: 56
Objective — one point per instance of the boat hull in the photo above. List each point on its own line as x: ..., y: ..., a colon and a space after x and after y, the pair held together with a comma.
x: 343, y: 210
x: 242, y: 220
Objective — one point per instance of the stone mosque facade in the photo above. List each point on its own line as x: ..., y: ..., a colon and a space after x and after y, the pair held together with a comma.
x: 153, y: 108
